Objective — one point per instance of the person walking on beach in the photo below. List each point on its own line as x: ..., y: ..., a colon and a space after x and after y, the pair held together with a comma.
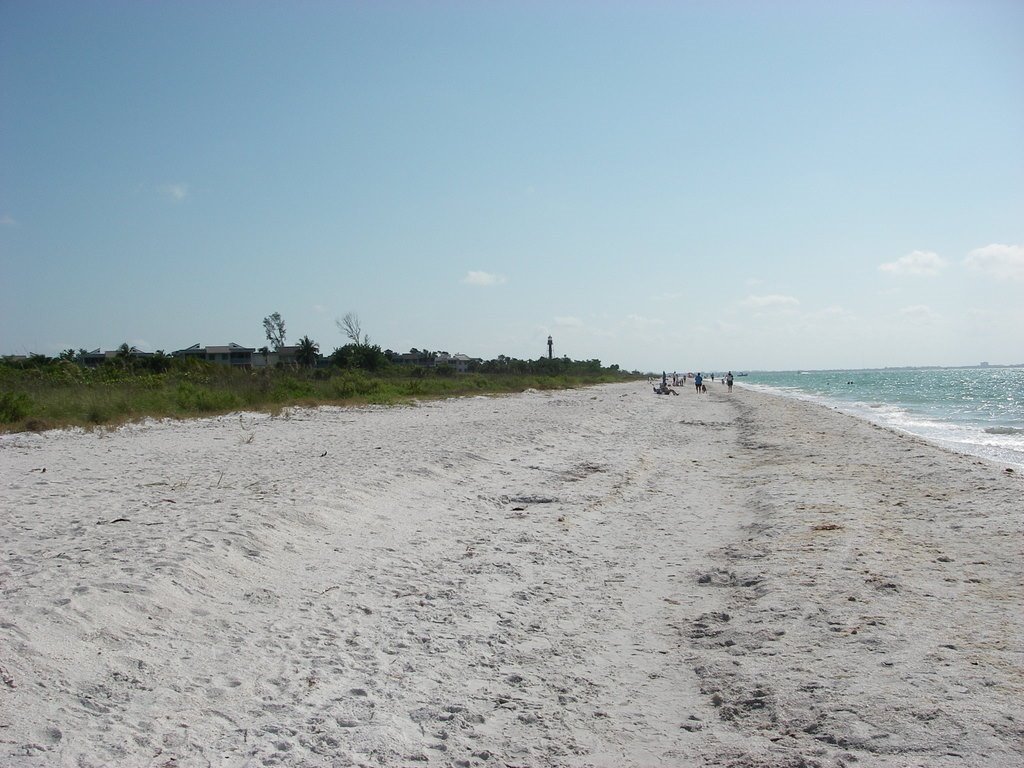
x: 697, y: 381
x: 728, y: 380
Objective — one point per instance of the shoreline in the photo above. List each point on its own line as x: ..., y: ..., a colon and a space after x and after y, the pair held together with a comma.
x: 589, y: 577
x: 955, y: 448
x: 990, y: 433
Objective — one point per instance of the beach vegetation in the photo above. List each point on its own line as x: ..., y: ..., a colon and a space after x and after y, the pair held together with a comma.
x: 38, y: 392
x: 14, y: 406
x: 365, y: 357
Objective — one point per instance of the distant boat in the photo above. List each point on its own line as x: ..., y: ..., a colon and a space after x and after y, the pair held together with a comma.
x: 739, y: 374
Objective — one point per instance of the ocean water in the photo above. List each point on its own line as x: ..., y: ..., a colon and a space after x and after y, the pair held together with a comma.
x: 976, y: 411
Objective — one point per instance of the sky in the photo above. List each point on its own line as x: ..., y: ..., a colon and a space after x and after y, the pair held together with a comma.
x: 660, y: 185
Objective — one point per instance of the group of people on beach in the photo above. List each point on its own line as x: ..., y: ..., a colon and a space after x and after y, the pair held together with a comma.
x: 698, y: 383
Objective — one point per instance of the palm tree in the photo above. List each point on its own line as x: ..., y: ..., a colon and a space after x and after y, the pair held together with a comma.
x: 124, y: 355
x: 306, y: 352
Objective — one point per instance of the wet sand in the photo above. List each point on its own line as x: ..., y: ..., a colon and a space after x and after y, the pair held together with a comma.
x: 600, y: 577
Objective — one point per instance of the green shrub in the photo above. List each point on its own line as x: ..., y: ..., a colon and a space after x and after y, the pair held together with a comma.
x: 289, y: 388
x: 193, y: 399
x: 352, y: 384
x: 14, y: 406
x: 97, y: 414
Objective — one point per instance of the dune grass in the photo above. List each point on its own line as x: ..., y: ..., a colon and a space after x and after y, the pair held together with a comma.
x: 63, y: 394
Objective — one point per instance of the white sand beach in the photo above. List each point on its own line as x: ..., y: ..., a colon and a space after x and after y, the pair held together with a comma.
x: 598, y: 577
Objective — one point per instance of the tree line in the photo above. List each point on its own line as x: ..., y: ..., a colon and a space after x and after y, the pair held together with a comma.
x: 358, y: 354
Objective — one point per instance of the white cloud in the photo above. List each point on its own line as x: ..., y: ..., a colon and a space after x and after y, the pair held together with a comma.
x: 671, y: 296
x: 8, y: 221
x: 915, y: 263
x: 770, y: 301
x: 568, y: 322
x: 641, y: 322
x: 483, y: 278
x: 833, y: 312
x: 919, y: 314
x: 1001, y: 261
x: 176, y: 192
x: 320, y: 309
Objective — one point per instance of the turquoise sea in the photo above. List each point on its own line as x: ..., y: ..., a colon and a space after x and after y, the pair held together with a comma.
x: 977, y: 411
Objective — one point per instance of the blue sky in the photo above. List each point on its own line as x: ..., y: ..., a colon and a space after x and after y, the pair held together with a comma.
x: 692, y: 185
